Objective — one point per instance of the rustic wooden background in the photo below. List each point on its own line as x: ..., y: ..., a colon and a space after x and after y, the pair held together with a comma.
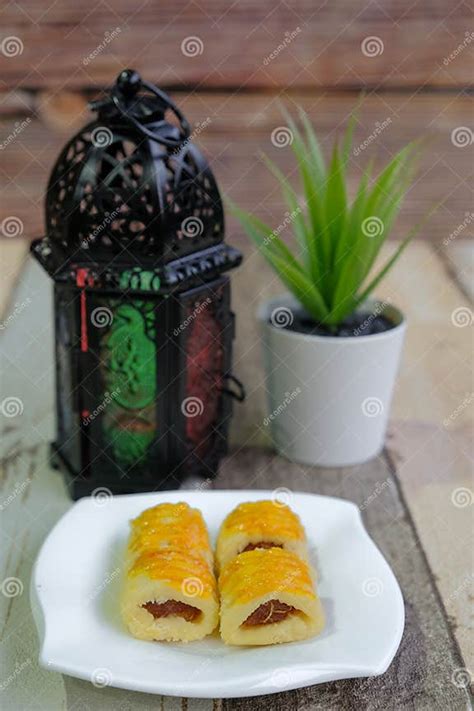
x: 230, y: 62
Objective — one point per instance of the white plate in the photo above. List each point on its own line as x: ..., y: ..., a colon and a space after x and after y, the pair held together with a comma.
x: 76, y: 586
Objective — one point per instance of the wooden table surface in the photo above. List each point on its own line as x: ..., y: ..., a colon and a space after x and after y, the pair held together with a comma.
x: 55, y: 56
x: 420, y: 494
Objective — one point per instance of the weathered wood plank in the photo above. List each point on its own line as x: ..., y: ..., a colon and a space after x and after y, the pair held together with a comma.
x: 420, y: 675
x: 32, y: 499
x: 239, y: 44
x: 434, y: 466
x: 459, y: 258
x: 436, y: 369
x: 27, y: 364
x: 12, y: 258
x: 239, y: 127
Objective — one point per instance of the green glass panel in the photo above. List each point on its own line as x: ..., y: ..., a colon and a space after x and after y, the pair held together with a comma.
x: 128, y: 360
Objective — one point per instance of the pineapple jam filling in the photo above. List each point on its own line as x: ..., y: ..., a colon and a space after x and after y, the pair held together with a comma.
x: 172, y: 607
x: 268, y: 613
x: 261, y: 544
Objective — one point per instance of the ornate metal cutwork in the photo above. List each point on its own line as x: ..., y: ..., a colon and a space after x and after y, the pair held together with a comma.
x: 131, y: 181
x: 188, y: 271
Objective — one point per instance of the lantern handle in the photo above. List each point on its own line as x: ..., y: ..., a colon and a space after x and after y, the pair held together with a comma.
x: 240, y: 394
x: 128, y: 83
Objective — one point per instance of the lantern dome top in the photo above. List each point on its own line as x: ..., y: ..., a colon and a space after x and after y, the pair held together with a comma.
x: 131, y: 187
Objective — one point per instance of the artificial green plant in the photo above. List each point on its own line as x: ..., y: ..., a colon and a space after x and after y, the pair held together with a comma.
x: 331, y: 274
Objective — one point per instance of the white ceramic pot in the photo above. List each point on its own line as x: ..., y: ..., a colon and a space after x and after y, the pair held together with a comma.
x: 328, y: 397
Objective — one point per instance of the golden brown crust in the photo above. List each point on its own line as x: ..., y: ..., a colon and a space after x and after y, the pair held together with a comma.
x: 170, y: 526
x: 178, y: 568
x: 259, y: 524
x: 261, y: 572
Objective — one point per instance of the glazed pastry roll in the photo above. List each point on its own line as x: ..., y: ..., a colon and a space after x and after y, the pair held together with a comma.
x: 260, y: 524
x: 170, y: 591
x: 268, y: 597
x: 170, y: 595
x: 170, y: 526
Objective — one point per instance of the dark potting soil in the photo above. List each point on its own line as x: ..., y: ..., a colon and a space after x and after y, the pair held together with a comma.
x: 360, y: 324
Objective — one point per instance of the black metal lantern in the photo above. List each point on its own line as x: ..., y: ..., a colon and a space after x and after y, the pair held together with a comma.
x: 144, y: 330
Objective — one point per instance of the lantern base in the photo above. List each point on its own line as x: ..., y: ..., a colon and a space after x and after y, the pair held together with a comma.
x: 80, y: 486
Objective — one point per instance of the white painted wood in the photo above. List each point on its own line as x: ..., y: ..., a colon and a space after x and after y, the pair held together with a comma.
x: 13, y: 253
x: 27, y: 362
x: 32, y: 499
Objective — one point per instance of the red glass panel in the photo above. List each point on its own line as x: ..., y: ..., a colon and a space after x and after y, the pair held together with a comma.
x: 204, y: 363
